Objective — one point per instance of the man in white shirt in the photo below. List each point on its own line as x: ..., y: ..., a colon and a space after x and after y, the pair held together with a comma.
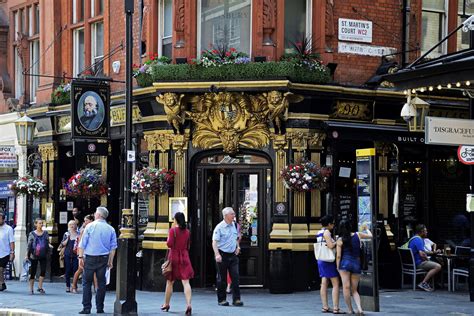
x: 7, y: 248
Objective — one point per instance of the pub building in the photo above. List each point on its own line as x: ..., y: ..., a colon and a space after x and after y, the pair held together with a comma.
x: 326, y: 125
x: 229, y: 140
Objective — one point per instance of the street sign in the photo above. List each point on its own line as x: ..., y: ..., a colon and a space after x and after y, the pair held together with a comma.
x: 466, y: 154
x: 448, y: 131
x: 131, y: 155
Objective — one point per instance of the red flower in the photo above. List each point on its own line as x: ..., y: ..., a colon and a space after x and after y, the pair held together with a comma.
x: 152, y: 58
x: 232, y: 49
x: 214, y: 51
x: 228, y: 54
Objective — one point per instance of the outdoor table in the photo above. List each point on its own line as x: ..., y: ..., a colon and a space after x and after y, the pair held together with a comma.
x: 449, y: 259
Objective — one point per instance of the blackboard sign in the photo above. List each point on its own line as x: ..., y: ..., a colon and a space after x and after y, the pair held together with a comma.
x: 409, y: 207
x: 142, y: 211
x: 345, y: 207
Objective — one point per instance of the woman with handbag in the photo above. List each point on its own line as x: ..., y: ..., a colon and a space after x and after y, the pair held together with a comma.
x: 348, y: 262
x: 70, y: 253
x: 178, y: 265
x: 37, y: 253
x: 327, y: 265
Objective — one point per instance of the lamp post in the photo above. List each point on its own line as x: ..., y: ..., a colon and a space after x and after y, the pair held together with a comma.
x: 125, y: 302
x: 25, y: 127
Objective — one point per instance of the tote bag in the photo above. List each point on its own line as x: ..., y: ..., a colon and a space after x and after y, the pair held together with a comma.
x: 322, y: 252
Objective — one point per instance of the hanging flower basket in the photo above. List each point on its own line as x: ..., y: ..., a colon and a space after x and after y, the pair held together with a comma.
x: 152, y: 180
x: 86, y: 183
x: 28, y: 185
x: 305, y: 176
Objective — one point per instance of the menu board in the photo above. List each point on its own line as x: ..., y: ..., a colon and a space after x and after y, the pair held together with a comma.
x: 142, y: 211
x: 409, y: 207
x: 345, y: 207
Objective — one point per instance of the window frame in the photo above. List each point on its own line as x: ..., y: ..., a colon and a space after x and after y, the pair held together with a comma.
x: 94, y: 57
x: 161, y: 28
x: 34, y: 69
x: 199, y: 31
x: 308, y: 22
x: 442, y: 28
x: 75, y: 44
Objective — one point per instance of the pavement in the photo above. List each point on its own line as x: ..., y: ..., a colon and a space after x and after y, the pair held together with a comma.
x: 16, y: 301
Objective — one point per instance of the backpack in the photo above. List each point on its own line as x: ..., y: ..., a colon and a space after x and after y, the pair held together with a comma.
x: 40, y: 246
x: 407, y: 244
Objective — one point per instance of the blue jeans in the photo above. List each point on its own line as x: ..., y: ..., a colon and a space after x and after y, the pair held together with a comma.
x: 70, y: 264
x: 97, y: 265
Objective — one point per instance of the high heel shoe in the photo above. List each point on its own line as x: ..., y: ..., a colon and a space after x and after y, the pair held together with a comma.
x: 189, y: 310
x: 165, y: 307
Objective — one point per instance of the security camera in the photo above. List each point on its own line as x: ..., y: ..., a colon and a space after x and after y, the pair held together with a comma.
x: 408, y: 112
x: 69, y: 153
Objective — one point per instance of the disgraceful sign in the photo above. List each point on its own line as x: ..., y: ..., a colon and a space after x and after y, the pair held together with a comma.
x: 448, y: 131
x: 8, y: 157
x: 90, y: 104
x: 355, y: 30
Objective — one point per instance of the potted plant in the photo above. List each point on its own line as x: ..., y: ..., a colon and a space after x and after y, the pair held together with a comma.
x: 152, y: 180
x: 28, y: 185
x: 86, y: 183
x: 61, y: 95
x: 305, y: 176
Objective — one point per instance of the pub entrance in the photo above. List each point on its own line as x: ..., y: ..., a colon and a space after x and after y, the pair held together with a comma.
x: 244, y: 183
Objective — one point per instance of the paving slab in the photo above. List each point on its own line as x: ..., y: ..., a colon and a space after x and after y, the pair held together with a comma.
x: 16, y: 301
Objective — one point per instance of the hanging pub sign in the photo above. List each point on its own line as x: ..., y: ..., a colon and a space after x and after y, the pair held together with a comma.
x: 90, y: 104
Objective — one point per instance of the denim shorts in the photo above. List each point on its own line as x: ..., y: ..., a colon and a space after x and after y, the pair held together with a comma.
x: 350, y: 265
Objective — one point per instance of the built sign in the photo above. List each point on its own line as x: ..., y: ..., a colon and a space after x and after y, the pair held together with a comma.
x: 448, y: 131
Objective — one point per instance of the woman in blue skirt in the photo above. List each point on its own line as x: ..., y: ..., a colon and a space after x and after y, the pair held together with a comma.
x: 327, y: 270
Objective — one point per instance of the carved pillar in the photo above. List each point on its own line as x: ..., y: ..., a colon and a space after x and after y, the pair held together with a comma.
x: 180, y: 145
x: 315, y: 143
x: 49, y: 156
x: 103, y: 171
x: 269, y: 19
x: 179, y: 23
x: 299, y: 145
x: 280, y: 145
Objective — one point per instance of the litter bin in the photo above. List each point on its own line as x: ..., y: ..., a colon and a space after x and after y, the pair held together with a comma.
x: 280, y: 271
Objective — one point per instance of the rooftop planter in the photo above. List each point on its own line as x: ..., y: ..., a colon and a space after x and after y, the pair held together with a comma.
x: 227, y: 65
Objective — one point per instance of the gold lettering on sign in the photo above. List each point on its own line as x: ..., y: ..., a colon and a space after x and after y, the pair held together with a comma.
x: 117, y: 115
x: 351, y: 110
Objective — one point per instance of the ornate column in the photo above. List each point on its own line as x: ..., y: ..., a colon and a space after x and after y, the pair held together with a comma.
x: 299, y: 144
x: 180, y: 146
x: 49, y: 154
x: 21, y: 211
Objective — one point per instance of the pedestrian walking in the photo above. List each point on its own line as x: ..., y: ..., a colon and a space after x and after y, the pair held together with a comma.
x: 7, y: 248
x: 96, y: 254
x: 37, y: 253
x: 229, y: 279
x: 87, y: 220
x: 179, y: 241
x: 327, y: 270
x: 348, y: 262
x: 225, y: 243
x: 70, y: 253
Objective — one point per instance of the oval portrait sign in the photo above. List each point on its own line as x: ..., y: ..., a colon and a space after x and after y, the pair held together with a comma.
x: 466, y: 154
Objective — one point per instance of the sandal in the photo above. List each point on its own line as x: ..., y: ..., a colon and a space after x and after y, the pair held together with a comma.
x: 74, y: 290
x: 338, y: 311
x: 326, y: 310
x: 41, y: 291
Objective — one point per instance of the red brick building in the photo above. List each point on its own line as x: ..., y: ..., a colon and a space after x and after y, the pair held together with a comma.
x: 358, y: 40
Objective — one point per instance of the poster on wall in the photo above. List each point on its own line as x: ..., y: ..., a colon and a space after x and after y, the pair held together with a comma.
x: 90, y: 107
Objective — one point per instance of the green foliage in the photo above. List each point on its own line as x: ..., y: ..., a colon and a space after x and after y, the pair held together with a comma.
x: 61, y: 95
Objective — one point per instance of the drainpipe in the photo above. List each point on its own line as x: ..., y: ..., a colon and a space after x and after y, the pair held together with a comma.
x: 405, y: 28
x: 471, y: 189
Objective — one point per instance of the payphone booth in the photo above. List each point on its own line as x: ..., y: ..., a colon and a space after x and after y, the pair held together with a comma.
x: 366, y: 219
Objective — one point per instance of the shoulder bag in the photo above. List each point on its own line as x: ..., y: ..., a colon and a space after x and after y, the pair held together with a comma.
x: 322, y: 252
x: 166, y: 267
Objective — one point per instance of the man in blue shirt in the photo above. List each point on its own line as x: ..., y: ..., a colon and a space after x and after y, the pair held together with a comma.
x: 96, y: 254
x: 226, y: 250
x: 417, y: 246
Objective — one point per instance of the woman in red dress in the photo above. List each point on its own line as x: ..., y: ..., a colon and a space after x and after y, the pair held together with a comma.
x: 178, y: 244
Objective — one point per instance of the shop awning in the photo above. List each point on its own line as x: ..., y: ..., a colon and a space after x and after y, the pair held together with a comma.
x: 452, y: 68
x: 372, y: 132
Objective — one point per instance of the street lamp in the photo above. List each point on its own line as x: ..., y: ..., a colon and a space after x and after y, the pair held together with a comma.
x: 25, y: 128
x: 414, y: 113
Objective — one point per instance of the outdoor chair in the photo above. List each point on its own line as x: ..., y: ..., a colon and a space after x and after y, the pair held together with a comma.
x: 461, y: 267
x: 408, y: 265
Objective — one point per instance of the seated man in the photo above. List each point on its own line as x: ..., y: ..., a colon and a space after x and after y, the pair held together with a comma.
x: 417, y: 246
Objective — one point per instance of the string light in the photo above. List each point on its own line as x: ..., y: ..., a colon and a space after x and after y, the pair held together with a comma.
x: 458, y: 84
x: 405, y: 92
x: 449, y: 86
x: 468, y: 83
x: 439, y: 87
x: 413, y: 91
x: 422, y: 89
x: 430, y: 88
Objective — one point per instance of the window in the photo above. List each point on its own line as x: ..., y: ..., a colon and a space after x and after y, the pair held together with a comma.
x: 19, y: 77
x: 37, y: 19
x: 297, y: 22
x: 165, y: 28
x: 77, y: 11
x: 225, y: 24
x: 34, y: 64
x: 16, y: 21
x: 463, y: 37
x: 79, y: 52
x: 97, y: 44
x: 97, y: 7
x: 433, y: 27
